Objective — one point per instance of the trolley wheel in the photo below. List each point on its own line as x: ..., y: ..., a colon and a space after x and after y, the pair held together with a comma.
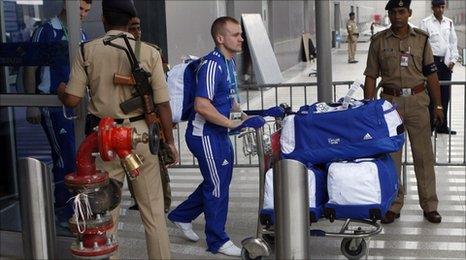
x: 350, y: 252
x: 245, y: 255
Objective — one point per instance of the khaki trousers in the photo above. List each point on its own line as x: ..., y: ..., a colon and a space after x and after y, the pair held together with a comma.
x: 415, y: 114
x: 167, y: 191
x: 352, y: 48
x: 147, y: 188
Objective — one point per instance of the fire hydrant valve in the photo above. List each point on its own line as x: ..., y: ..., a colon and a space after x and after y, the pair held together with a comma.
x: 102, y: 193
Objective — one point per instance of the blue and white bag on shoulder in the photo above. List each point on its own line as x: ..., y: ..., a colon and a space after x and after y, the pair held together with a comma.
x: 181, y: 80
x: 317, y: 195
x: 322, y: 133
x: 361, y: 189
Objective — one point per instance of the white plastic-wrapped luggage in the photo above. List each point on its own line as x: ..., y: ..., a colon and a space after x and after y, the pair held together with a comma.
x: 361, y: 189
x: 317, y: 193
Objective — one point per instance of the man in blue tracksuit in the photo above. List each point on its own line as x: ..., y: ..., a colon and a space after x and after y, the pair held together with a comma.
x: 58, y: 128
x: 207, y: 138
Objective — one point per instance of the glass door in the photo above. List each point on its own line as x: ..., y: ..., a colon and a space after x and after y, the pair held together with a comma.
x: 33, y: 60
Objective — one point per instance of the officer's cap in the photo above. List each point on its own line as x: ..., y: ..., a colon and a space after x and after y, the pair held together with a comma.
x: 397, y: 3
x: 438, y: 2
x: 351, y: 14
x: 125, y: 7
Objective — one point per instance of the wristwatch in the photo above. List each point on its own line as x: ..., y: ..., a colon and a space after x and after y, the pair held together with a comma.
x: 439, y: 107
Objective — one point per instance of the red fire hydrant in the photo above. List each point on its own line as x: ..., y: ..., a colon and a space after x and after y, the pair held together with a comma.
x: 97, y: 194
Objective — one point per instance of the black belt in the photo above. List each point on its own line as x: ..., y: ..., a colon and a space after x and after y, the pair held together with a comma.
x: 131, y: 119
x: 118, y: 120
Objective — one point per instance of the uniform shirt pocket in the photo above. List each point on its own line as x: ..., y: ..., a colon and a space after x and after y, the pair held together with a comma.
x: 435, y: 36
x: 417, y: 58
x: 389, y: 62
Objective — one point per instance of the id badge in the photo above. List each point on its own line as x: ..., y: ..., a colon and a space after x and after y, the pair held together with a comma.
x: 404, y: 60
x: 235, y: 116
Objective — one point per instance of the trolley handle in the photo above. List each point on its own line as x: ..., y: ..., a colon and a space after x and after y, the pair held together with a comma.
x: 277, y: 111
x: 251, y: 122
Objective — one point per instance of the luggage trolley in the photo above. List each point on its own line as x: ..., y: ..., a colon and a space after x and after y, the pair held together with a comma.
x: 265, y: 143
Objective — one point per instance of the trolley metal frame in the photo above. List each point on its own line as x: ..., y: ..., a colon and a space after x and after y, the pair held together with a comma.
x: 264, y: 142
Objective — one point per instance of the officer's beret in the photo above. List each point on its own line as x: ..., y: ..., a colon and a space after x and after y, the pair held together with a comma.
x: 397, y: 3
x: 438, y: 2
x: 125, y: 7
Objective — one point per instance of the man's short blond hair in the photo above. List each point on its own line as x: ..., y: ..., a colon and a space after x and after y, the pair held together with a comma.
x: 219, y: 24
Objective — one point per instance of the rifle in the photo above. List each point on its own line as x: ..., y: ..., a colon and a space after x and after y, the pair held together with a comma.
x: 136, y: 102
x: 132, y: 103
x: 140, y: 77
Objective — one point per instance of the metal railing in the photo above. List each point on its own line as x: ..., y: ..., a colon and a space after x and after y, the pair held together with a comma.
x: 299, y: 94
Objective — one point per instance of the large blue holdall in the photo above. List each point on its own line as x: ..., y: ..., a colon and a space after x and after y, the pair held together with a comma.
x: 321, y: 133
x: 361, y: 189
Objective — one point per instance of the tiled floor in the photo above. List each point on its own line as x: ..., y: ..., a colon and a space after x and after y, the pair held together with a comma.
x: 410, y: 237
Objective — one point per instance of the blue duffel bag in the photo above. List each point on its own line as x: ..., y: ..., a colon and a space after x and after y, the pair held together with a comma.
x: 361, y: 189
x: 321, y: 133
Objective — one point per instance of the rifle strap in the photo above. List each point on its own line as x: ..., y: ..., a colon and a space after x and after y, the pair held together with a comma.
x: 137, y: 51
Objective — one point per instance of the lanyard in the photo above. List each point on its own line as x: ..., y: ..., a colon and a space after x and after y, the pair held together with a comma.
x: 230, y: 81
x: 228, y: 72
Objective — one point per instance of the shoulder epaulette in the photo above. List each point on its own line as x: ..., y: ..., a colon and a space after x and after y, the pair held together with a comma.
x: 155, y: 46
x: 420, y: 31
x: 377, y: 35
x: 427, y: 18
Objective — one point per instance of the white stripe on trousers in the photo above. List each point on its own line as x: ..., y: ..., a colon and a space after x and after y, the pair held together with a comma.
x: 211, y: 164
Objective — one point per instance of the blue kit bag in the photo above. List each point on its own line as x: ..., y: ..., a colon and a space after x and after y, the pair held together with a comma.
x: 317, y: 181
x: 321, y: 133
x: 361, y: 189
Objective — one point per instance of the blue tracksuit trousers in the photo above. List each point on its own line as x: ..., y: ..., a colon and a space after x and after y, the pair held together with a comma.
x: 215, y: 157
x: 60, y: 134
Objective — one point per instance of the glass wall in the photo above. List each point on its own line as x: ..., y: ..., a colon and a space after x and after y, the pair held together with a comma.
x: 33, y: 60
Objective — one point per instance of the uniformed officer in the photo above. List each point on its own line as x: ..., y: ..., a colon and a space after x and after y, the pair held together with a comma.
x: 445, y: 48
x: 402, y: 56
x: 353, y: 34
x: 135, y: 30
x: 101, y: 62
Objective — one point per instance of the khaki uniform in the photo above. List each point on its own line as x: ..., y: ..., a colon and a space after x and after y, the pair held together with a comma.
x: 102, y: 62
x: 353, y: 34
x: 385, y: 57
